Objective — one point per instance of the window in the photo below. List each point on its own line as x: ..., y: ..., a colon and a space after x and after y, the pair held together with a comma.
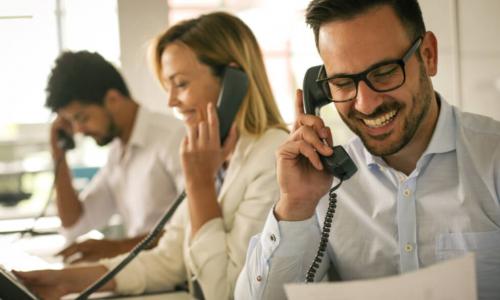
x: 34, y: 32
x: 30, y: 44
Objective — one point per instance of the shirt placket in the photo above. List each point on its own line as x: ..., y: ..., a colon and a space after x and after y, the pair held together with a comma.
x: 122, y: 185
x: 407, y: 225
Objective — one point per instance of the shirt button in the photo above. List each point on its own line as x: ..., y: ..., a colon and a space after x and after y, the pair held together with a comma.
x: 272, y: 237
x: 407, y: 192
x: 259, y: 278
x: 408, y: 248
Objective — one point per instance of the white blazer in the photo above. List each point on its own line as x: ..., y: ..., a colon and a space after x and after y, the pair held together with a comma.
x: 216, y: 254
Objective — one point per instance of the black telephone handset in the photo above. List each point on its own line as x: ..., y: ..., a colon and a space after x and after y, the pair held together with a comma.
x: 234, y: 88
x: 64, y: 140
x: 339, y: 164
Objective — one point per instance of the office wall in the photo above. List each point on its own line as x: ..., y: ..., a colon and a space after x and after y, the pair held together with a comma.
x: 469, y: 52
x: 480, y: 56
x: 139, y: 22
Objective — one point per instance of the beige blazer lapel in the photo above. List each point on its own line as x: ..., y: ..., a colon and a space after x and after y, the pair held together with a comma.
x: 243, y: 148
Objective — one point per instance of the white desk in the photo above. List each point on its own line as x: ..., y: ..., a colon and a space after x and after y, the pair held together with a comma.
x: 164, y: 296
x: 169, y: 296
x: 31, y: 253
x: 160, y: 296
x: 38, y: 253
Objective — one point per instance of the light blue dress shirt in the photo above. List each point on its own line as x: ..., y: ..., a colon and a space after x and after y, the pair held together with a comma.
x: 387, y: 223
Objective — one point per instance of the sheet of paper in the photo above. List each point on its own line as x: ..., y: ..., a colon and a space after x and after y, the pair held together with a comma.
x: 451, y: 280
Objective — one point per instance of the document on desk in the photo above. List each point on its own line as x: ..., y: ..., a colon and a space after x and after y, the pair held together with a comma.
x: 454, y: 279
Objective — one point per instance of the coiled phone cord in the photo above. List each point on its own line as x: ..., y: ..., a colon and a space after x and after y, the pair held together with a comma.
x: 325, y: 233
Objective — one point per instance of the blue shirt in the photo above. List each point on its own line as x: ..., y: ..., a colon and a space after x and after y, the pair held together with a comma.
x: 387, y: 223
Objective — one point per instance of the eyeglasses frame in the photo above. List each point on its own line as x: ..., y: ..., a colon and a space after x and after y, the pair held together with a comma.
x: 362, y: 76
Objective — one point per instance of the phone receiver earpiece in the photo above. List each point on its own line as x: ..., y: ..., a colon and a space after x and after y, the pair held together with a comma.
x: 339, y: 164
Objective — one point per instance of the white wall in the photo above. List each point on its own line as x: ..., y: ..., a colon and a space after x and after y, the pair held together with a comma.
x: 469, y: 52
x: 139, y: 22
x: 468, y: 40
x: 480, y: 51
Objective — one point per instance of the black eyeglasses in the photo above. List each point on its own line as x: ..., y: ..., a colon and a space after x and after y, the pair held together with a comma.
x: 382, y: 77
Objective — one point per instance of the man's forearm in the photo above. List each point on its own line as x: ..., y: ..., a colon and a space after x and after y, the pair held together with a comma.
x: 128, y: 244
x: 69, y: 206
x: 81, y: 278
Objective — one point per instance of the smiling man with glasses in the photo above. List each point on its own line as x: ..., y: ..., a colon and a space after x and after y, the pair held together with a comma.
x: 428, y: 180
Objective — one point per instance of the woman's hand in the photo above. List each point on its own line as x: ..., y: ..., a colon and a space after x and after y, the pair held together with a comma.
x: 201, y: 153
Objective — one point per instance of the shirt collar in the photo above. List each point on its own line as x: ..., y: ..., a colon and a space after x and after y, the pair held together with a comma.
x: 140, y: 129
x: 442, y: 140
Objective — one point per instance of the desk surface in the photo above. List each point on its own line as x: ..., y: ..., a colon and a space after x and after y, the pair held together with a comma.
x: 164, y: 296
x: 38, y: 253
x: 161, y: 296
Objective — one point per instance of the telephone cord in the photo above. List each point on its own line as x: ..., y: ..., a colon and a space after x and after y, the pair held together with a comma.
x: 145, y: 243
x: 325, y: 233
x: 31, y: 230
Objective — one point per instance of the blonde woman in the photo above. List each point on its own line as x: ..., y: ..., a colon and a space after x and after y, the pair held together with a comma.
x: 230, y: 188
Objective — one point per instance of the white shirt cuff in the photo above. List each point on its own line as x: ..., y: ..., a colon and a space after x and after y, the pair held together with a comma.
x: 290, y: 238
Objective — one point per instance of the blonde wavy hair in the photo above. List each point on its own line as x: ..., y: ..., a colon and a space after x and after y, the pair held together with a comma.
x: 219, y: 39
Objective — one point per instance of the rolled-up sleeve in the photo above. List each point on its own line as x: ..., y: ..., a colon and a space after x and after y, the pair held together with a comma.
x: 98, y: 207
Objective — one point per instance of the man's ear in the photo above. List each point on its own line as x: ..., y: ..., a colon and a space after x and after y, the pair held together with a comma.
x: 112, y: 99
x: 429, y: 53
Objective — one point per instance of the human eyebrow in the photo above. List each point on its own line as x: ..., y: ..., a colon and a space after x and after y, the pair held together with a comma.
x: 372, y: 66
x: 166, y: 79
x: 177, y: 74
x: 172, y: 76
x: 79, y: 116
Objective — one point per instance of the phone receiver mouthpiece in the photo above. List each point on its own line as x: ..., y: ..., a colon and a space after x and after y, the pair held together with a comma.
x: 339, y: 164
x: 64, y: 140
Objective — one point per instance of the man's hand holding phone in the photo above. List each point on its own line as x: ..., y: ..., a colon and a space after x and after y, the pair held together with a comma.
x: 301, y: 176
x: 59, y: 126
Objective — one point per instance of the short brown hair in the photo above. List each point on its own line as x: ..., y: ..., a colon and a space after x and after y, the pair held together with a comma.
x: 322, y: 11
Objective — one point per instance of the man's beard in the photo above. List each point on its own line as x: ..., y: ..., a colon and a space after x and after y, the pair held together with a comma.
x: 420, y: 105
x: 112, y: 132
